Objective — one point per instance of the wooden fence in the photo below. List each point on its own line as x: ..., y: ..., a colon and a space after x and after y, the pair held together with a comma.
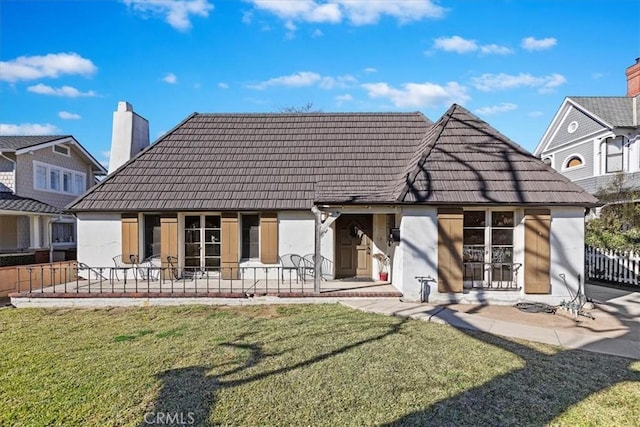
x: 35, y: 275
x: 612, y: 266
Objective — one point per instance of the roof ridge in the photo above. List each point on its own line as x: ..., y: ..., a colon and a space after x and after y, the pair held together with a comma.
x: 410, y: 176
x: 318, y: 113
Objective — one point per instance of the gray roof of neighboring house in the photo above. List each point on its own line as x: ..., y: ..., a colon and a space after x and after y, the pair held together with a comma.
x: 463, y: 160
x: 11, y: 202
x: 615, y: 110
x: 291, y: 161
x: 13, y: 143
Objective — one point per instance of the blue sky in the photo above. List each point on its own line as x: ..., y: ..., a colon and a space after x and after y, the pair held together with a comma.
x: 65, y: 65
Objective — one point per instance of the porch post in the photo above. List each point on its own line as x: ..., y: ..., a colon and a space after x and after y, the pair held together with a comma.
x: 34, y: 231
x: 317, y: 274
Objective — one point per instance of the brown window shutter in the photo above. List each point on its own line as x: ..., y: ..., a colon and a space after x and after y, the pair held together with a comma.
x: 269, y: 238
x: 450, y: 250
x: 129, y: 239
x: 229, y: 243
x: 537, y: 257
x: 168, y: 244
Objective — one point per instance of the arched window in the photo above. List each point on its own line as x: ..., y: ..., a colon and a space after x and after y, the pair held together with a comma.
x: 573, y: 161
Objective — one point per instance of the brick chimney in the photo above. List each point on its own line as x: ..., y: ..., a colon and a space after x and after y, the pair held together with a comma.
x: 633, y: 79
x: 129, y: 136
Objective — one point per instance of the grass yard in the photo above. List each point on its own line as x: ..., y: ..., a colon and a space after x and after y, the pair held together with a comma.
x: 293, y: 365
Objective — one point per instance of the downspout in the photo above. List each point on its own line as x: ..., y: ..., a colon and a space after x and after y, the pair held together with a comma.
x: 316, y: 252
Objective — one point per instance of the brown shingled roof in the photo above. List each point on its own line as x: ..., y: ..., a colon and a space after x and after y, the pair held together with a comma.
x: 262, y: 161
x: 463, y: 160
x: 291, y: 161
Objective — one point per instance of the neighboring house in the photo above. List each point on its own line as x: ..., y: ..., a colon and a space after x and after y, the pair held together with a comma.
x: 460, y: 209
x: 592, y: 139
x: 39, y: 175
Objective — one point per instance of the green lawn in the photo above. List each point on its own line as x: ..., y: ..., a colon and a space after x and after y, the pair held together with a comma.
x: 294, y: 365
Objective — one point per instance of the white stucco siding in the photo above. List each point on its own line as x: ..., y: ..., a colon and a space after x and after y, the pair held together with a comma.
x: 296, y: 234
x: 416, y: 256
x: 567, y: 251
x: 99, y: 238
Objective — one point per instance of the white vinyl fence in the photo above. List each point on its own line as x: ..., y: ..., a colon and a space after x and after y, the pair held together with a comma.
x: 612, y: 266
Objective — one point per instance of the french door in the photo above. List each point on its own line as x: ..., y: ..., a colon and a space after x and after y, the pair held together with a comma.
x: 488, y: 249
x: 202, y: 243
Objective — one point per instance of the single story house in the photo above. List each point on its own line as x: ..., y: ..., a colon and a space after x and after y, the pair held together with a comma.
x: 463, y: 213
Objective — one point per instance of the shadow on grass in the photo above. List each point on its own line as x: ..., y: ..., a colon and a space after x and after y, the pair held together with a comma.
x: 536, y: 394
x: 545, y: 388
x: 188, y: 394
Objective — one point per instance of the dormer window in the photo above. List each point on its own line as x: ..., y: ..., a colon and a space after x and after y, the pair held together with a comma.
x: 61, y: 149
x: 573, y: 162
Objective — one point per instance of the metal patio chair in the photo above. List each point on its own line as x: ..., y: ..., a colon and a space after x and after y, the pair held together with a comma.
x: 120, y: 265
x: 291, y: 262
x: 309, y: 266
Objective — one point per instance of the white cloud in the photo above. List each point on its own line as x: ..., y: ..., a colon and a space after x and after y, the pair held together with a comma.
x: 495, y: 49
x: 337, y: 82
x: 341, y: 99
x: 461, y: 45
x: 363, y: 12
x: 491, y: 82
x: 223, y: 85
x: 317, y: 33
x: 51, y: 65
x: 455, y: 44
x: 28, y: 129
x: 301, y: 10
x: 370, y: 70
x: 66, y: 91
x: 417, y: 95
x: 306, y: 79
x: 176, y: 13
x: 170, y: 78
x: 247, y: 17
x: 65, y: 115
x: 357, y: 12
x: 301, y: 79
x: 497, y: 109
x: 531, y: 43
x: 105, y: 156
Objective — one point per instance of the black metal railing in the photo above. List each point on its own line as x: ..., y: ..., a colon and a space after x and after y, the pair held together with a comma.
x: 492, y: 275
x: 82, y: 278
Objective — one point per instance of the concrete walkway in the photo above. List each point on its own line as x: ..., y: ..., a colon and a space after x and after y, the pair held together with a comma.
x: 614, y: 330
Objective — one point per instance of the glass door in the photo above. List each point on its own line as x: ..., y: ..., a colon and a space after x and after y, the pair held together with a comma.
x: 502, y: 225
x: 487, y: 256
x: 201, y: 243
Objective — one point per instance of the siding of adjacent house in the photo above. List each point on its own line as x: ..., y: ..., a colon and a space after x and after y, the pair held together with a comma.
x: 22, y: 231
x: 8, y: 235
x: 7, y: 175
x: 594, y: 184
x: 24, y: 174
x: 586, y: 126
x: 585, y: 150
